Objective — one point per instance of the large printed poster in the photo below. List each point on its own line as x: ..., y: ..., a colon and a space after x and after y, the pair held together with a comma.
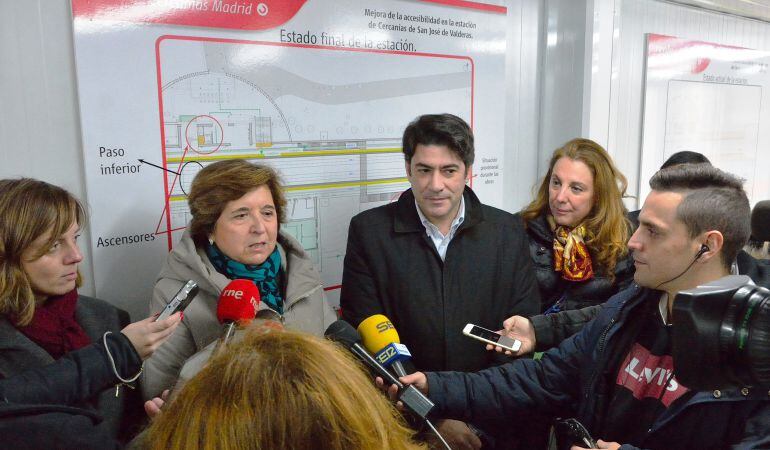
x: 710, y: 98
x: 320, y: 90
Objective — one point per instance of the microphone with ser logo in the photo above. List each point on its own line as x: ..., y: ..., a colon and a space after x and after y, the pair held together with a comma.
x: 381, y: 339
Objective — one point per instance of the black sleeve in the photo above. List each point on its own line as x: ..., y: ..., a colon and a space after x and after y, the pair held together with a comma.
x: 552, y: 329
x: 77, y: 376
x: 526, y: 293
x: 358, y: 297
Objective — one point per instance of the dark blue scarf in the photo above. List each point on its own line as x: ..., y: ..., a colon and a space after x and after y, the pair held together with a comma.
x: 266, y: 275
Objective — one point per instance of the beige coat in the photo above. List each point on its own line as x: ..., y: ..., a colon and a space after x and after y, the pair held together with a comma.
x: 305, y: 306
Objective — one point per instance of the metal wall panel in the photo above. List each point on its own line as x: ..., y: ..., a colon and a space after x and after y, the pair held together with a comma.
x: 39, y: 122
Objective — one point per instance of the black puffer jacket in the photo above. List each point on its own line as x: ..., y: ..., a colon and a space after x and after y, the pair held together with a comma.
x: 578, y: 294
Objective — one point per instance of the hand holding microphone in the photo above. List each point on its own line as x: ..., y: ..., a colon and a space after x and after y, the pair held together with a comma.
x: 381, y: 338
x: 344, y: 333
x: 408, y: 394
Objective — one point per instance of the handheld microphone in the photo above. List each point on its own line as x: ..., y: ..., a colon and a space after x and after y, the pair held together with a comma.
x: 344, y: 333
x: 381, y: 338
x: 237, y: 306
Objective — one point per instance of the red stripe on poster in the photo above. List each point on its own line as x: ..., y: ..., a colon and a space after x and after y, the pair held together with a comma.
x: 230, y: 14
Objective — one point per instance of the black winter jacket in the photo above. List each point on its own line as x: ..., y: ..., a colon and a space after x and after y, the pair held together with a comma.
x: 577, y: 376
x: 577, y: 294
x: 40, y: 408
x: 551, y: 329
x: 122, y: 414
x: 392, y: 268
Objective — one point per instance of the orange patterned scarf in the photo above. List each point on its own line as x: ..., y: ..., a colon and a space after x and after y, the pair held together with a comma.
x: 570, y: 253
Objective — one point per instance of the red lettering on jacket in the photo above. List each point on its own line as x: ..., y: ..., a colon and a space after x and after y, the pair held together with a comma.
x: 646, y: 375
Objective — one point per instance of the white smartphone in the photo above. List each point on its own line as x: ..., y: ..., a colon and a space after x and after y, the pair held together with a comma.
x: 490, y: 337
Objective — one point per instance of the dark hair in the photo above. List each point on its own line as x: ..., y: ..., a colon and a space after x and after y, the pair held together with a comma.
x: 713, y: 200
x: 685, y: 157
x: 760, y: 219
x: 222, y: 182
x: 440, y: 129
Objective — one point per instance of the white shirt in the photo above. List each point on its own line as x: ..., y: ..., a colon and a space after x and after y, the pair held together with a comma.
x: 439, y: 240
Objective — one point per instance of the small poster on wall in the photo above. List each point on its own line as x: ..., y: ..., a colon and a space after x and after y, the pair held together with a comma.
x: 709, y: 98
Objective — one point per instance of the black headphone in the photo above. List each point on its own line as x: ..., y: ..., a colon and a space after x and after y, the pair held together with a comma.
x: 703, y: 249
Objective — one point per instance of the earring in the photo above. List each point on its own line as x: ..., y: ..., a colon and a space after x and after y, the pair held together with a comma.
x: 211, y: 240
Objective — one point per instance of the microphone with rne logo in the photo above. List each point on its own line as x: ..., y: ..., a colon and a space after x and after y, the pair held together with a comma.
x: 381, y: 338
x: 237, y: 306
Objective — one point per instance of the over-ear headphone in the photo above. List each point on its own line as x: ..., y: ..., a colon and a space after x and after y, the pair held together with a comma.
x: 703, y: 249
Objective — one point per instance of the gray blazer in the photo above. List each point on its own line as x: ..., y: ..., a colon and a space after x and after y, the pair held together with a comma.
x: 18, y: 353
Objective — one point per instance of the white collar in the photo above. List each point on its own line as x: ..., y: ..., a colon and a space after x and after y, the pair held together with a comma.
x: 459, y: 218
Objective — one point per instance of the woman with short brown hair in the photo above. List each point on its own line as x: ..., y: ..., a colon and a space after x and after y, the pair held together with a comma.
x: 237, y: 208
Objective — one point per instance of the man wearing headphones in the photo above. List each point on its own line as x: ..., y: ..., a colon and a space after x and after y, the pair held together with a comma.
x: 617, y: 374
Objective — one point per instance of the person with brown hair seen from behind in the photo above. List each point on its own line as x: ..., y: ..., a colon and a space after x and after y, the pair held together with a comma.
x: 237, y: 208
x: 280, y: 390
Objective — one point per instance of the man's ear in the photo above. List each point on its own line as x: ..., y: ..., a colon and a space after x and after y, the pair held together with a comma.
x: 714, y: 240
x: 408, y: 168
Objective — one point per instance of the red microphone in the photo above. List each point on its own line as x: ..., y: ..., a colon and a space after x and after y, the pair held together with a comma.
x: 238, y: 305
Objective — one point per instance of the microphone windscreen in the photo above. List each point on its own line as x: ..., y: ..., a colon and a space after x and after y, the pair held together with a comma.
x: 760, y: 221
x: 342, y: 332
x: 238, y: 302
x: 377, y: 332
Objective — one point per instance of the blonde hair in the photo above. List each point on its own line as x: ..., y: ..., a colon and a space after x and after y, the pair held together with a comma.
x: 29, y: 209
x: 608, y: 229
x: 280, y: 390
x: 222, y: 182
